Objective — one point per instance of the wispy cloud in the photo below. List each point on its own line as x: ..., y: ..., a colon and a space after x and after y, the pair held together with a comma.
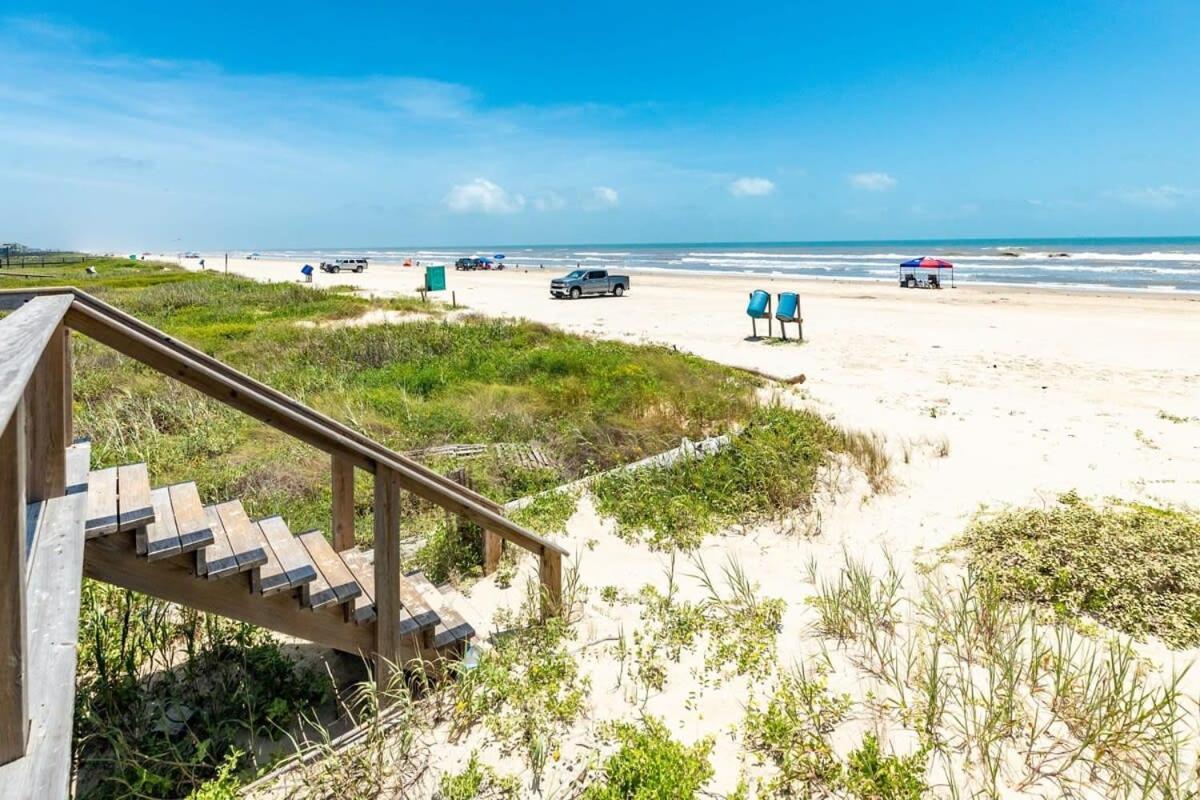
x: 605, y: 197
x: 872, y: 181
x: 1163, y: 197
x: 751, y: 187
x: 483, y: 196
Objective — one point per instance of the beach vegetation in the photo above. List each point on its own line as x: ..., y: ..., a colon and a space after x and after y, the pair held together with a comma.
x: 651, y: 765
x: 769, y: 471
x: 1132, y: 567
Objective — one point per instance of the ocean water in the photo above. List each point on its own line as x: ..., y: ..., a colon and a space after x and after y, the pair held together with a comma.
x: 1144, y: 264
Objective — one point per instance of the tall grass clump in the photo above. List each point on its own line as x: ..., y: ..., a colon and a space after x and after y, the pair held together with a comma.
x: 769, y: 470
x: 1134, y: 568
x: 169, y: 698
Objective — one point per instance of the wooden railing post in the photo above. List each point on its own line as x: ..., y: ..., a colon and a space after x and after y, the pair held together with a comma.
x: 550, y: 575
x: 47, y: 413
x: 387, y: 578
x: 493, y: 548
x: 342, y: 472
x: 14, y: 689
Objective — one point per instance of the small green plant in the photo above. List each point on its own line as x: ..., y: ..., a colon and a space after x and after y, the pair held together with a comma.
x: 477, y: 781
x: 650, y: 765
x: 871, y: 775
x: 1175, y: 418
x: 547, y: 513
x: 793, y: 729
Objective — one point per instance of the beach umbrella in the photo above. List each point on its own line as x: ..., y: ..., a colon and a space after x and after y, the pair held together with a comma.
x: 499, y: 256
x: 926, y: 262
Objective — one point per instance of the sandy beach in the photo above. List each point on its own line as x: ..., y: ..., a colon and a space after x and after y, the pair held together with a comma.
x: 987, y: 397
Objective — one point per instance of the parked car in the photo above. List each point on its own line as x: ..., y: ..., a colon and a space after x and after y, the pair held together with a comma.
x: 589, y: 281
x: 465, y: 263
x: 339, y: 264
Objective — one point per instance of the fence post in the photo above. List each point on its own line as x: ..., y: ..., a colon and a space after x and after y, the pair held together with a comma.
x: 14, y: 691
x: 387, y: 578
x: 46, y: 415
x: 550, y: 575
x: 342, y: 472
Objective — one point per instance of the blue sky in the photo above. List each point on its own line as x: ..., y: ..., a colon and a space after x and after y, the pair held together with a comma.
x: 287, y: 125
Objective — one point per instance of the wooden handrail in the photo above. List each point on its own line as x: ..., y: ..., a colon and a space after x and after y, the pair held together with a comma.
x: 26, y: 333
x: 156, y: 349
x: 10, y: 297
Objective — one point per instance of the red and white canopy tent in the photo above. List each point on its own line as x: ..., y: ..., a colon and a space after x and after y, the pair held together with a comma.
x: 925, y: 262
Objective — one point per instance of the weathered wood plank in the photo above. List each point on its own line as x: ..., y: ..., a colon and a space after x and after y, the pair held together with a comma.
x: 550, y: 576
x: 388, y: 609
x: 14, y: 654
x: 342, y: 478
x: 217, y: 560
x: 53, y: 589
x: 45, y: 418
x: 160, y: 538
x: 332, y: 568
x: 318, y: 592
x: 102, y: 502
x: 451, y: 628
x: 243, y: 538
x: 190, y: 519
x: 271, y: 577
x: 292, y: 555
x: 113, y: 560
x: 134, y: 506
x: 24, y: 335
x: 363, y: 607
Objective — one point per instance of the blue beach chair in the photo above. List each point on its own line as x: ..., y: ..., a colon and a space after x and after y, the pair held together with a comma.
x: 759, y: 308
x: 787, y: 309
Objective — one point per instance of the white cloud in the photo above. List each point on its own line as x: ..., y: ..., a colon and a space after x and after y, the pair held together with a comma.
x: 605, y: 197
x: 1160, y: 197
x: 751, y: 187
x: 549, y: 201
x: 872, y: 181
x: 484, y: 196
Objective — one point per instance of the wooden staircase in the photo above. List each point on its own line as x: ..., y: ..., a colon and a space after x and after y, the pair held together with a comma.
x: 59, y: 521
x: 159, y: 533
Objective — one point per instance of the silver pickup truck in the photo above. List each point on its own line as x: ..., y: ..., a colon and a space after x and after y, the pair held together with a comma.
x: 589, y: 281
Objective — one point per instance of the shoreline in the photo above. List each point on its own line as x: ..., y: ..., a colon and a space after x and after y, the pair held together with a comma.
x: 984, y: 287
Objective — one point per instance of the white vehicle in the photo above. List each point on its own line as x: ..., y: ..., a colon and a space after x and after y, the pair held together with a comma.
x: 339, y: 264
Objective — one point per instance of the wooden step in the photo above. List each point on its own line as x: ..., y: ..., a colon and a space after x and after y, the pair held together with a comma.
x: 118, y: 500
x: 288, y: 565
x: 217, y: 560
x: 451, y: 628
x: 333, y: 582
x: 245, y: 540
x: 190, y: 519
x: 102, y: 503
x: 363, y: 609
x: 134, y: 506
x: 159, y: 539
x: 423, y: 615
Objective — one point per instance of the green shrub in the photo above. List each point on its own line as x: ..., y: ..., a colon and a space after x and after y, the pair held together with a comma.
x: 1132, y: 567
x: 768, y: 470
x: 871, y: 775
x: 650, y: 765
